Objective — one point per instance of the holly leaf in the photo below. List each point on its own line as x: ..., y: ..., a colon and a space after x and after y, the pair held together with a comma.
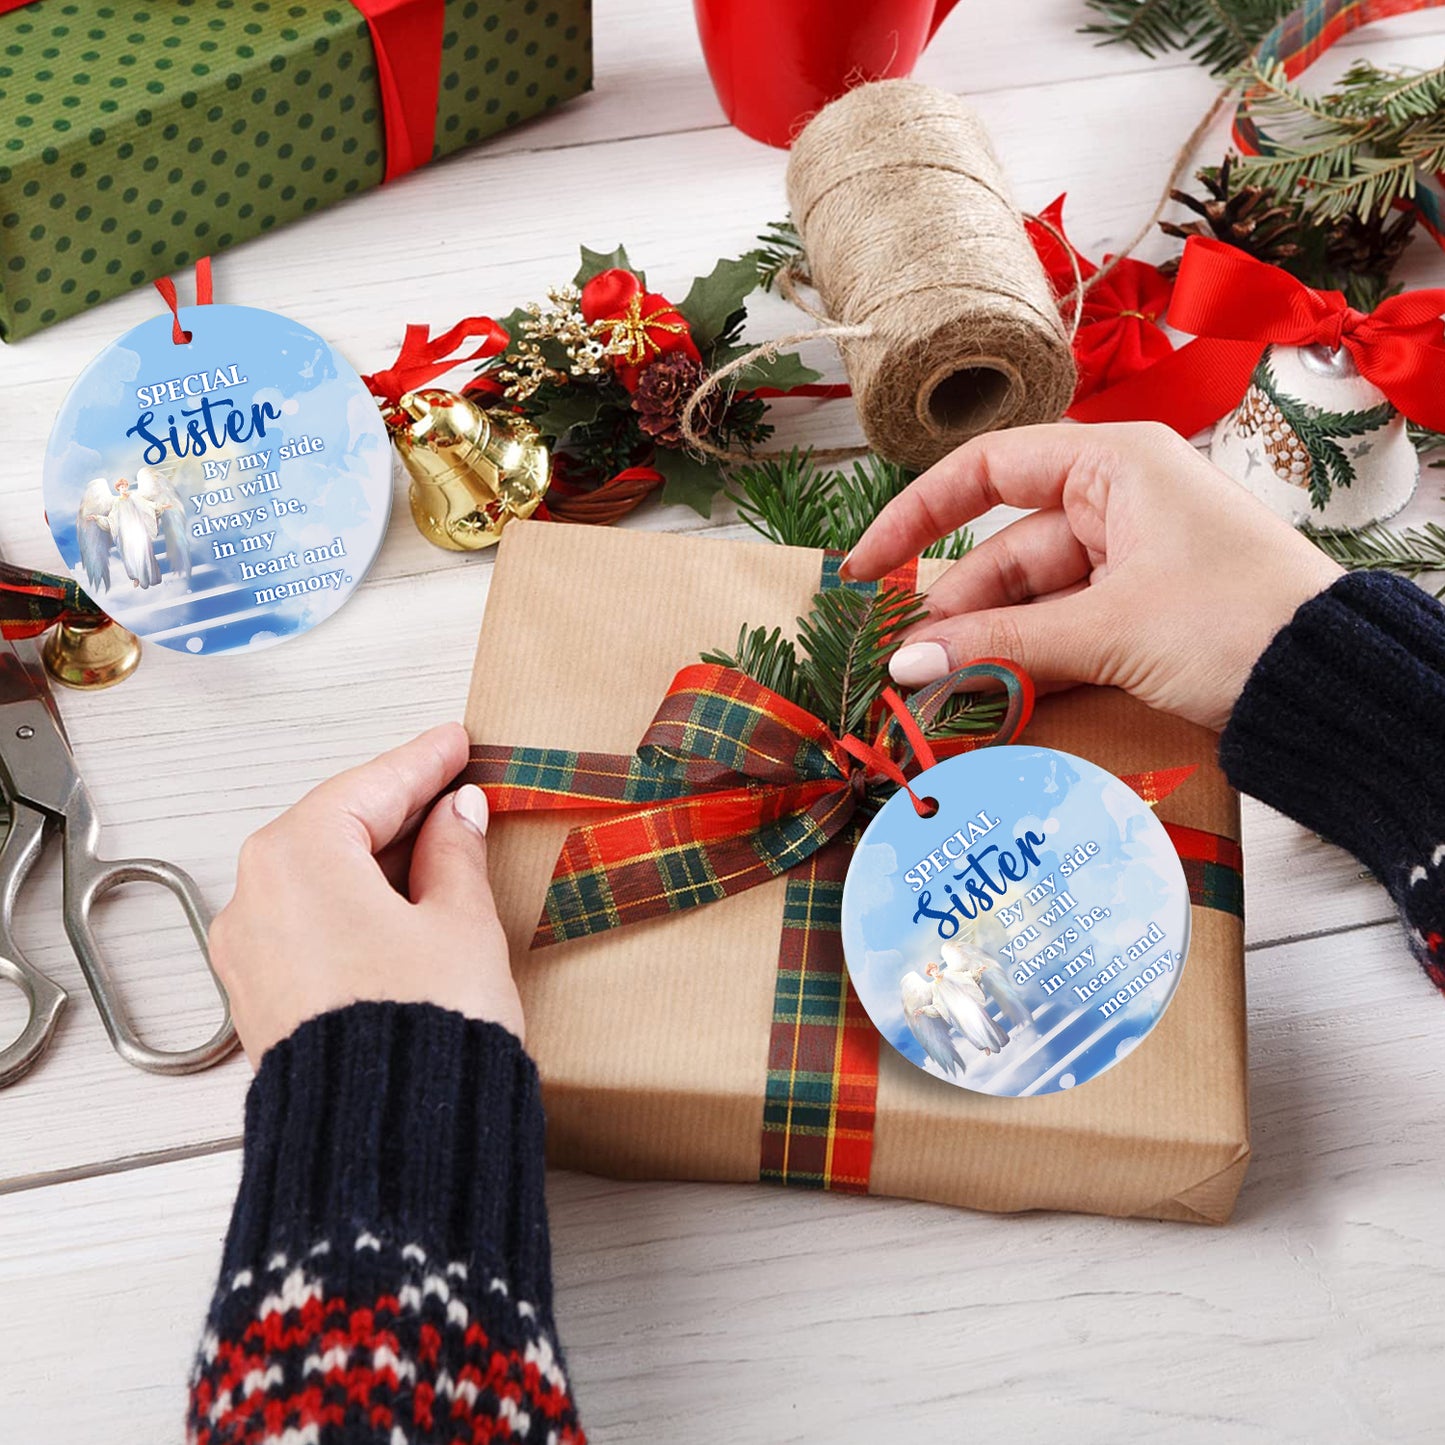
x: 511, y: 323
x: 713, y: 298
x: 594, y: 263
x: 558, y: 409
x: 689, y: 481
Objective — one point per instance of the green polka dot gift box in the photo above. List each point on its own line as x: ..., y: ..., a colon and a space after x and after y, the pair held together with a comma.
x: 136, y: 137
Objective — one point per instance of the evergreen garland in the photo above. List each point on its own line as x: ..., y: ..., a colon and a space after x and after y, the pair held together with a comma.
x: 1411, y: 552
x: 1220, y: 34
x: 1355, y: 151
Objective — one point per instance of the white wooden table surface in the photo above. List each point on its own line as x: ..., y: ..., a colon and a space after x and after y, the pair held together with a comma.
x: 712, y: 1313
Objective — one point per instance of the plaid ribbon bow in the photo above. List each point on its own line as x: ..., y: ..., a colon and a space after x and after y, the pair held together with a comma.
x: 738, y: 785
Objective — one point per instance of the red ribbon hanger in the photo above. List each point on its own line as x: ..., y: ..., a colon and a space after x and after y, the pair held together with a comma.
x: 1236, y: 307
x: 424, y: 357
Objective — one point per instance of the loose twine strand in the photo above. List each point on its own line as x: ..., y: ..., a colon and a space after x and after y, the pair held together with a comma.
x: 795, y: 274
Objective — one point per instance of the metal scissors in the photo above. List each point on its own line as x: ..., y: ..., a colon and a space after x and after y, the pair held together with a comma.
x: 45, y: 794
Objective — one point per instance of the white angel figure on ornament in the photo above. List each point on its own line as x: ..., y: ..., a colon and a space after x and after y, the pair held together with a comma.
x: 952, y: 998
x: 129, y: 517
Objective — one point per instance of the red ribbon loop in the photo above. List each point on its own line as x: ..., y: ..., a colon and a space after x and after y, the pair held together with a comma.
x: 204, y: 293
x: 1237, y: 306
x: 423, y: 357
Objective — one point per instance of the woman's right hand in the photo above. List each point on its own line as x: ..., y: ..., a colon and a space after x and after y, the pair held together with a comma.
x: 1144, y: 567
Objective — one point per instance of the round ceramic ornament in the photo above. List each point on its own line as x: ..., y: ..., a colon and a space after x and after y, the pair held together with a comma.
x: 1028, y: 934
x: 1317, y: 442
x: 221, y: 493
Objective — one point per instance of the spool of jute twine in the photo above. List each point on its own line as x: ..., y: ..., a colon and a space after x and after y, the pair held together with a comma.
x: 933, y: 293
x: 947, y: 324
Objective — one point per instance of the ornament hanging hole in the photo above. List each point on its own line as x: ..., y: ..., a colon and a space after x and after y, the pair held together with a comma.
x: 925, y: 807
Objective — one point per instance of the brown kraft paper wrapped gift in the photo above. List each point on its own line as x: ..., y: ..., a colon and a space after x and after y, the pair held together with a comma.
x: 653, y: 1039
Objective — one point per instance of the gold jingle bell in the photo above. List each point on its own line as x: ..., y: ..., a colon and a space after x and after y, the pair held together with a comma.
x: 471, y: 470
x: 90, y: 654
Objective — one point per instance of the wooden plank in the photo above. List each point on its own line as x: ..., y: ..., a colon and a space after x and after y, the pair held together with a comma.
x: 721, y: 1313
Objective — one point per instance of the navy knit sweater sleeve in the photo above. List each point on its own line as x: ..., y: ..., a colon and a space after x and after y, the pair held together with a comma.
x: 387, y: 1276
x: 1342, y: 726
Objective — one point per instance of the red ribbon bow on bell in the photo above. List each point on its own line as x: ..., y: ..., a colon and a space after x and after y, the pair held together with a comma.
x: 424, y: 357
x: 1236, y: 307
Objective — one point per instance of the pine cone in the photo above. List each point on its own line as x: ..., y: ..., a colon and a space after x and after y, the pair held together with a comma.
x: 1249, y: 217
x: 1369, y: 245
x: 663, y: 391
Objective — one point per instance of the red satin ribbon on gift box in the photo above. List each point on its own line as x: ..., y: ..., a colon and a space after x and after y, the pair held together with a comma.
x: 407, y: 38
x: 1236, y: 306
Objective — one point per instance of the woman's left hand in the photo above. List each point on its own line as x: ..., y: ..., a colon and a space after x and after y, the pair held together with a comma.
x: 316, y: 923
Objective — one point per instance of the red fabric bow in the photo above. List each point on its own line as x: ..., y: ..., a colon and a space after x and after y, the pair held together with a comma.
x: 1237, y: 306
x: 423, y: 357
x: 642, y: 323
x: 1119, y: 332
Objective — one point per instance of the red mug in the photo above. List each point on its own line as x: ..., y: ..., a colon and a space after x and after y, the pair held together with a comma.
x: 776, y: 63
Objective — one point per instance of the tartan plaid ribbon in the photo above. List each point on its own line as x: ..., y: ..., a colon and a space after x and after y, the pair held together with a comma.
x: 1296, y: 42
x: 32, y: 601
x: 733, y: 785
x: 736, y: 785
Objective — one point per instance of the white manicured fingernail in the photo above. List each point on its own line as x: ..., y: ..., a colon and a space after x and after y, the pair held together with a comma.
x: 469, y: 803
x: 918, y: 663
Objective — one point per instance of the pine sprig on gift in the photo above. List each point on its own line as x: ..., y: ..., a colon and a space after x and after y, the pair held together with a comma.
x: 1217, y: 33
x: 1412, y: 552
x: 791, y: 500
x: 769, y: 658
x: 1352, y: 152
x: 837, y: 668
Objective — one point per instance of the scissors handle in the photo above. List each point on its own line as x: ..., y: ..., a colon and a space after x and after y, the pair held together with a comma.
x: 22, y: 844
x: 88, y: 879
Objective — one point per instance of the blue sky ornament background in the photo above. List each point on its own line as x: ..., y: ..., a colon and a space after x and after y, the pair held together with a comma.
x: 1074, y: 958
x: 303, y: 506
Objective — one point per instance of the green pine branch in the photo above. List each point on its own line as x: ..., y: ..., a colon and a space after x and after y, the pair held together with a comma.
x: 837, y: 669
x: 1412, y: 552
x: 1426, y: 441
x: 778, y: 247
x: 768, y: 658
x: 1219, y: 34
x: 791, y: 500
x: 846, y: 640
x: 1355, y: 151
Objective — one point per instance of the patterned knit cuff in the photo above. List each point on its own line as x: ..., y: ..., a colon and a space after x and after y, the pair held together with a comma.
x: 1339, y: 726
x: 400, y: 1120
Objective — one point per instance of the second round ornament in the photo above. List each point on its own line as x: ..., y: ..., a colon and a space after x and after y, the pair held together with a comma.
x: 1027, y: 933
